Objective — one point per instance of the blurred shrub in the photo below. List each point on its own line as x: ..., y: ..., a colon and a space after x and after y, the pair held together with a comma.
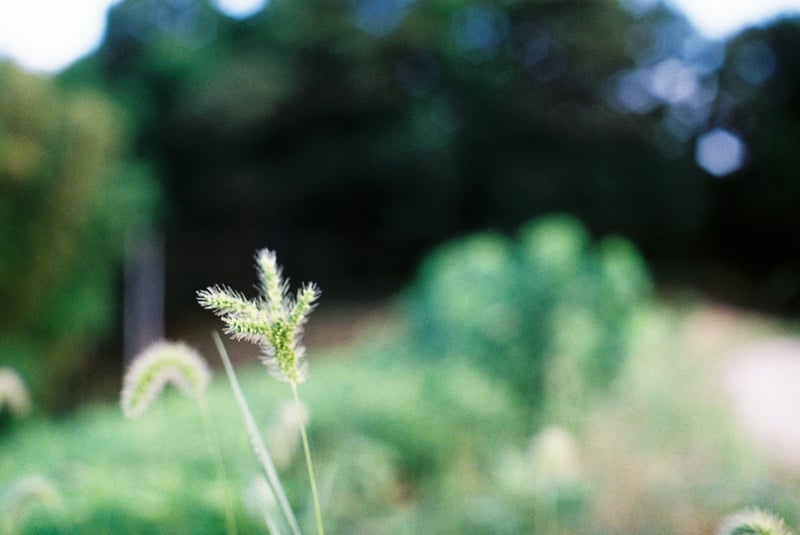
x: 511, y: 306
x: 67, y: 198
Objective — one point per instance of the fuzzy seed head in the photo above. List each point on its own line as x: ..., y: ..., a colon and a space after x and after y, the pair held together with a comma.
x: 271, y: 284
x: 304, y: 304
x: 274, y: 321
x: 13, y: 393
x: 21, y: 499
x: 162, y: 363
x: 223, y: 301
x: 253, y: 329
x: 753, y: 522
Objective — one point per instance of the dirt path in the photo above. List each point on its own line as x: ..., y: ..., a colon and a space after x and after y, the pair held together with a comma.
x: 762, y: 381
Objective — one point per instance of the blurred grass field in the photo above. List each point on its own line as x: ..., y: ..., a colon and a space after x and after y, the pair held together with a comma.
x: 409, y: 447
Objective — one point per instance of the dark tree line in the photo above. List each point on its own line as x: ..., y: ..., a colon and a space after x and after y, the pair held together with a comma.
x: 357, y: 134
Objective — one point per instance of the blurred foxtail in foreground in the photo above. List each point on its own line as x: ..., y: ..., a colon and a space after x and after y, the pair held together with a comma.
x: 274, y: 321
x: 753, y: 522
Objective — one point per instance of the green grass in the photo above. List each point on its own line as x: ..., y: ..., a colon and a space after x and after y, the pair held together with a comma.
x: 384, y: 432
x: 405, y: 446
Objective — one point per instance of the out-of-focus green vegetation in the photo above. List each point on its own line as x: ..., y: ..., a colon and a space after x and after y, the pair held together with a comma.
x: 68, y: 195
x: 512, y: 307
x: 407, y: 446
x: 356, y: 136
x: 376, y: 132
x: 379, y: 444
x: 410, y: 438
x: 371, y: 130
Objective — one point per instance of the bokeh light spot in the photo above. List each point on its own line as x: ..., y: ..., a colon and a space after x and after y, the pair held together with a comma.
x: 379, y: 18
x: 630, y: 90
x: 673, y: 81
x: 478, y: 31
x: 240, y: 9
x: 720, y: 152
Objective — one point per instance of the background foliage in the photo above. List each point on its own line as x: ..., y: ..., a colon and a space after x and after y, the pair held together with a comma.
x: 355, y: 137
x: 382, y: 128
x: 357, y: 143
x: 407, y: 445
x: 68, y: 197
x: 511, y: 307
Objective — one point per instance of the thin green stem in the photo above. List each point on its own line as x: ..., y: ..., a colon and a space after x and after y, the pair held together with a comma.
x: 216, y: 452
x: 256, y: 442
x: 309, y: 462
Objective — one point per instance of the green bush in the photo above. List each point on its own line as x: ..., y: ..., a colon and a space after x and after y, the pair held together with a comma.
x: 511, y: 306
x: 67, y: 199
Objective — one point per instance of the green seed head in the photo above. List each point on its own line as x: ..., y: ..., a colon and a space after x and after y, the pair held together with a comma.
x: 274, y: 321
x: 158, y: 365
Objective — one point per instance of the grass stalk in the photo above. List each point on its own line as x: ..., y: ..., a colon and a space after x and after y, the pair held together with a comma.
x: 309, y: 462
x: 256, y: 441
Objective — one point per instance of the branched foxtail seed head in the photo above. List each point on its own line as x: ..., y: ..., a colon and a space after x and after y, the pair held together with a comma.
x: 303, y: 305
x: 272, y: 286
x: 162, y: 363
x: 248, y: 328
x: 274, y: 321
x: 753, y: 522
x: 223, y: 301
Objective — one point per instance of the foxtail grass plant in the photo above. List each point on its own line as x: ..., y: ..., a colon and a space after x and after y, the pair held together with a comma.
x: 158, y: 365
x: 22, y: 498
x: 259, y: 449
x: 14, y: 396
x: 753, y: 522
x: 175, y: 363
x: 274, y: 322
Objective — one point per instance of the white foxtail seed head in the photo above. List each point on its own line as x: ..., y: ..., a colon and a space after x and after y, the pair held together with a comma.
x: 274, y: 321
x: 21, y: 499
x: 13, y: 394
x: 753, y: 522
x: 161, y: 363
x: 555, y: 460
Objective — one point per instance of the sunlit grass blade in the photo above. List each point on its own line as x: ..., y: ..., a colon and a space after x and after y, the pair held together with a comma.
x: 309, y: 462
x: 256, y: 441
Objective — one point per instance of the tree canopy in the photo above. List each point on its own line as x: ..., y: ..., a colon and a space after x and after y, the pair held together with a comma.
x: 375, y: 129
